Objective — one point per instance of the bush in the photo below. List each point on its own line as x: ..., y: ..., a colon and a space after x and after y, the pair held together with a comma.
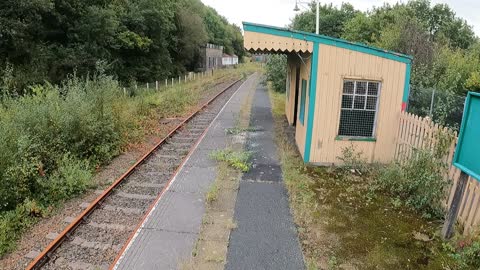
x: 419, y: 183
x: 79, y: 117
x: 13, y: 223
x: 276, y: 69
x: 354, y: 161
x: 71, y: 178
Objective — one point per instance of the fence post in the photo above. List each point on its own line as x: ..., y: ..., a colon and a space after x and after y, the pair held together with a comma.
x: 431, y: 103
x: 156, y: 85
x: 172, y: 81
x: 147, y: 85
x: 179, y: 79
x: 447, y: 230
x: 124, y: 91
x: 166, y: 82
x: 185, y: 78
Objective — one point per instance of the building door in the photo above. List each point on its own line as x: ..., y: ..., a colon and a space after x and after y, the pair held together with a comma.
x: 297, y: 89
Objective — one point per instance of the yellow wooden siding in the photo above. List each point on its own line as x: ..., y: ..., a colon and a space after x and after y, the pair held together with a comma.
x: 265, y: 42
x: 335, y: 64
x: 300, y: 130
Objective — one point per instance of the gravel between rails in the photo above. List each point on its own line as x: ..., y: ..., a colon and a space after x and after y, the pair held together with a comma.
x: 96, y: 242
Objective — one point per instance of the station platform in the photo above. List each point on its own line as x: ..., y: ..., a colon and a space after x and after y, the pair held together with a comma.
x: 265, y: 238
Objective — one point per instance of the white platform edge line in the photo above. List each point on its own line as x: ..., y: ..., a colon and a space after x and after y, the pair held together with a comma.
x: 178, y: 171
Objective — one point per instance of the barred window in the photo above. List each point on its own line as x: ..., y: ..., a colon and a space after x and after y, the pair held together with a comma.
x: 359, y: 108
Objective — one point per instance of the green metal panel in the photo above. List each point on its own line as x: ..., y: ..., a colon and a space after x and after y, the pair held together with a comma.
x: 311, y: 102
x: 406, y: 87
x: 341, y: 43
x: 467, y: 153
x: 303, y: 97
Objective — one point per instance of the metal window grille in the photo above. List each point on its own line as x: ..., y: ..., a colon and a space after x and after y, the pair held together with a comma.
x: 359, y: 108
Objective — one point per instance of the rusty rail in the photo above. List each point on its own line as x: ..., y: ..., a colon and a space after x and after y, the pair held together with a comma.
x: 44, y: 256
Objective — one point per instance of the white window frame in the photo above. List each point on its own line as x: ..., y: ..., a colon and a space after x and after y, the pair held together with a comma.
x: 374, y: 131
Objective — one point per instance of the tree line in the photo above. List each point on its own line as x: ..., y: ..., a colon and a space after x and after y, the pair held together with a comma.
x: 445, y: 50
x: 134, y: 40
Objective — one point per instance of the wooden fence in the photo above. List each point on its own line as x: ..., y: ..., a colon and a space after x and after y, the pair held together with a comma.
x: 420, y: 133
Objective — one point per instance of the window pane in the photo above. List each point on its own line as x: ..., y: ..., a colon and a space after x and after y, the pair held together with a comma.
x: 359, y: 102
x: 371, y: 103
x: 356, y: 123
x: 373, y: 88
x: 361, y: 88
x: 348, y: 87
x: 347, y: 102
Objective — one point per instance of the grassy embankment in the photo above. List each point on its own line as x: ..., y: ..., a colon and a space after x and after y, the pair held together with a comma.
x: 351, y: 221
x: 55, y: 140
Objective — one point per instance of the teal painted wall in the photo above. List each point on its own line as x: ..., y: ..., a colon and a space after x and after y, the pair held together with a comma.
x: 467, y: 154
x: 311, y: 101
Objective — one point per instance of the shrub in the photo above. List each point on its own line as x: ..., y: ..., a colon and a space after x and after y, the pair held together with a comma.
x: 354, y: 161
x: 72, y: 177
x: 80, y: 117
x: 419, y: 183
x: 13, y: 223
x: 276, y: 69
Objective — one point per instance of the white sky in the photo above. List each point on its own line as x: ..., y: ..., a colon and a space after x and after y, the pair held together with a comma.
x: 279, y: 12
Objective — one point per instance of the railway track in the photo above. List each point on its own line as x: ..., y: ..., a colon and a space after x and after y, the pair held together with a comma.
x: 94, y: 239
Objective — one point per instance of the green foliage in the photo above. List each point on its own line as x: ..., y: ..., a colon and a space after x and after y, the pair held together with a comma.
x: 212, y: 194
x: 71, y: 178
x: 445, y: 50
x: 13, y: 223
x: 332, y: 19
x: 354, y: 161
x: 276, y: 70
x: 237, y: 160
x: 419, y: 182
x: 53, y: 139
x: 466, y: 252
x: 84, y: 118
x: 145, y: 40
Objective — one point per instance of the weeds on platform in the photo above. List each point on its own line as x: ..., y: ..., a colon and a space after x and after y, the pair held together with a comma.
x: 212, y: 194
x: 239, y: 160
x: 238, y: 130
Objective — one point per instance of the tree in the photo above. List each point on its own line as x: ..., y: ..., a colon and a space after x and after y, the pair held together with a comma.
x: 144, y: 40
x: 332, y: 19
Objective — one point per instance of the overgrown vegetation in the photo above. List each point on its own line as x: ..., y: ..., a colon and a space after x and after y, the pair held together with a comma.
x: 276, y: 71
x: 54, y: 139
x: 137, y: 40
x: 445, y: 50
x: 344, y: 223
x: 239, y: 160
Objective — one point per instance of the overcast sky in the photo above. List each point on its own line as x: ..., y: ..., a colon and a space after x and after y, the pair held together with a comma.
x: 279, y: 12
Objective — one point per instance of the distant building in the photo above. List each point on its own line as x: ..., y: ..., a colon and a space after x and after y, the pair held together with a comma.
x: 211, y: 57
x: 229, y: 60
